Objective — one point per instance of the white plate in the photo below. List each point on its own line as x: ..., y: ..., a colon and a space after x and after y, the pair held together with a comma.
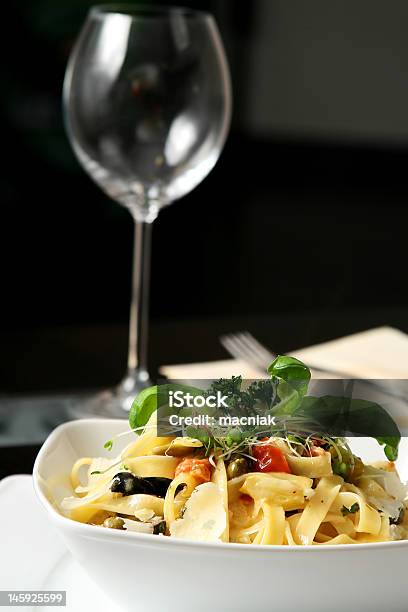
x: 34, y: 557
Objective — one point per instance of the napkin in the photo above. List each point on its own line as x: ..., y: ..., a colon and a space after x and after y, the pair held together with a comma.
x: 378, y: 353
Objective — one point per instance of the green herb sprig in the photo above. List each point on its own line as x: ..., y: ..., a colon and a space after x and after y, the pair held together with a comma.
x: 352, y: 510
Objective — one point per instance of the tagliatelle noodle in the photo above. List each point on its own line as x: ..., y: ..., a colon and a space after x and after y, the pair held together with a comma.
x: 309, y: 506
x: 317, y: 508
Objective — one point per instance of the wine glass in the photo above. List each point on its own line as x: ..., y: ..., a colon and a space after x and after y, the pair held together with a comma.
x: 147, y: 102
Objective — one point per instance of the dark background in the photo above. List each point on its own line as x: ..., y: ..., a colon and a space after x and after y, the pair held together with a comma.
x: 303, y: 219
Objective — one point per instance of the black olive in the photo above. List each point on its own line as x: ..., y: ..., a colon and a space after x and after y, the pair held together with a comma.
x: 129, y: 484
x: 160, y: 528
x: 159, y: 484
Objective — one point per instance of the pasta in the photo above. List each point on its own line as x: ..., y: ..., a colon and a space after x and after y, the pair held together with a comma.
x: 276, y: 493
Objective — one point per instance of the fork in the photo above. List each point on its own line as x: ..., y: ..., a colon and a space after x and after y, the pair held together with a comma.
x: 243, y: 345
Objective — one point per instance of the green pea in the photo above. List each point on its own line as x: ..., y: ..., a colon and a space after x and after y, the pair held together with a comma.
x: 340, y: 468
x: 234, y: 437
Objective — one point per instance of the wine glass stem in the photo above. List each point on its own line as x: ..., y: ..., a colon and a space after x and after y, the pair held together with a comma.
x: 139, y: 308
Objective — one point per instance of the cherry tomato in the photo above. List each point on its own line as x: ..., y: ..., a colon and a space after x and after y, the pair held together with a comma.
x: 269, y: 458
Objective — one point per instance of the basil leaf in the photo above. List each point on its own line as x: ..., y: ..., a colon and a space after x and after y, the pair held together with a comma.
x: 293, y: 371
x: 153, y: 398
x: 293, y: 380
x: 342, y: 416
x: 144, y: 404
x: 288, y: 399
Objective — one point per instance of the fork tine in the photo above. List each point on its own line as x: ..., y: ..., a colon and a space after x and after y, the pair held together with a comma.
x: 255, y: 346
x: 237, y: 347
x: 246, y: 353
x: 253, y: 353
x: 245, y: 348
x: 230, y: 342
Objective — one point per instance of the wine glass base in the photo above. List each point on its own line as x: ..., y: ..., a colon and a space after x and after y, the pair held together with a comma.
x: 112, y: 403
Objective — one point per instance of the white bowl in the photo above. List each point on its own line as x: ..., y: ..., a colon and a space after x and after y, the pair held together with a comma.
x: 165, y: 574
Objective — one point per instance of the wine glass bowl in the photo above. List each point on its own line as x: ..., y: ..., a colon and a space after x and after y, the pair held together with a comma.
x: 147, y: 106
x: 148, y: 102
